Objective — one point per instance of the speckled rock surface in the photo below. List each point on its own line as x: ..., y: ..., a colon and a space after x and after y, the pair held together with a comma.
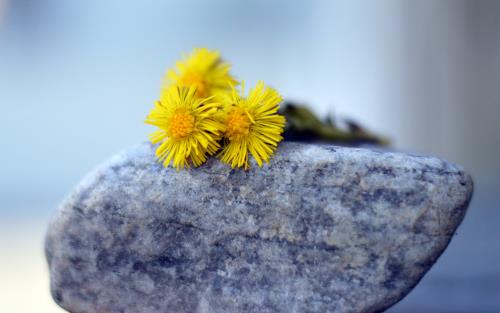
x: 320, y: 229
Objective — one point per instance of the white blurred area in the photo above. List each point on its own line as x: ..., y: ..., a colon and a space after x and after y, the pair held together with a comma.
x: 24, y: 279
x: 78, y: 77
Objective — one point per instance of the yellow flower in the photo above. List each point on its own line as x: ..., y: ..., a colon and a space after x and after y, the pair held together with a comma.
x: 188, y: 130
x: 204, y: 69
x: 252, y: 125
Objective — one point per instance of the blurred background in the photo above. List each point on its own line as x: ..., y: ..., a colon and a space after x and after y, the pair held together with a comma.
x: 78, y: 77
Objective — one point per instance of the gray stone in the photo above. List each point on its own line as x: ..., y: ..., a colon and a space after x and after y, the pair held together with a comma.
x: 320, y: 229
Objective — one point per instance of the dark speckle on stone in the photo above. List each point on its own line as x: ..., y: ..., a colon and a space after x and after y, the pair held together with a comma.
x: 394, y: 269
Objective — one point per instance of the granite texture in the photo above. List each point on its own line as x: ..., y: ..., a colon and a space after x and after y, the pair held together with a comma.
x: 320, y: 229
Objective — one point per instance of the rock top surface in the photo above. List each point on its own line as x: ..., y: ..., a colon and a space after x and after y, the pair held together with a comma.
x: 319, y: 229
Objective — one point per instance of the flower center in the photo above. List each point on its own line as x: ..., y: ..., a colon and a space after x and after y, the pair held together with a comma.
x: 195, y: 79
x: 238, y: 124
x: 181, y: 125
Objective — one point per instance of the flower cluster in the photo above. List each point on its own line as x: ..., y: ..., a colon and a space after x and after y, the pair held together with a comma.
x: 200, y: 113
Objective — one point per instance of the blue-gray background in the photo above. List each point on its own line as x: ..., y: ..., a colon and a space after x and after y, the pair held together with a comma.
x: 78, y: 77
